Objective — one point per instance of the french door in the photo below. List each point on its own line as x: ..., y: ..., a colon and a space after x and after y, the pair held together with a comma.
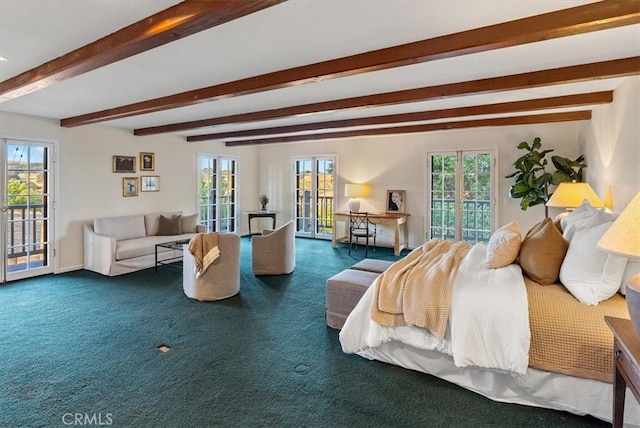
x: 314, y: 196
x: 461, y: 195
x: 217, y: 190
x: 27, y: 182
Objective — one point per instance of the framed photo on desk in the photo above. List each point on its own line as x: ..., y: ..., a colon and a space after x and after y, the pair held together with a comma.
x: 396, y: 201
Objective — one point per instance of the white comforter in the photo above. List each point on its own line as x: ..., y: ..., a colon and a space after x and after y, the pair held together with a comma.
x: 488, y: 321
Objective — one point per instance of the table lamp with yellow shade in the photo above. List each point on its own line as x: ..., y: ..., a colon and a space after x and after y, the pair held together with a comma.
x: 571, y: 195
x: 623, y: 238
x: 354, y: 191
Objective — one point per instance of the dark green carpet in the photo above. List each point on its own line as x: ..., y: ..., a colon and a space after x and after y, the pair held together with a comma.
x: 81, y: 343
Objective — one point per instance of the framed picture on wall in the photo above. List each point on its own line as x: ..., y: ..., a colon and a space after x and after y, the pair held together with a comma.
x: 147, y: 161
x: 130, y: 186
x: 124, y: 164
x: 149, y: 183
x: 396, y: 201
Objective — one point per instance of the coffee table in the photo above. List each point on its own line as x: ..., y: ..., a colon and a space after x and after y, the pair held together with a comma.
x: 172, y: 245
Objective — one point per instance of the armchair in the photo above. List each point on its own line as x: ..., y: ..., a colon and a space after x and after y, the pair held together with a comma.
x: 274, y: 252
x: 221, y: 279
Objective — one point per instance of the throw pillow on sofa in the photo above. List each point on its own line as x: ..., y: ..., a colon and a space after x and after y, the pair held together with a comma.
x: 189, y: 223
x: 170, y: 226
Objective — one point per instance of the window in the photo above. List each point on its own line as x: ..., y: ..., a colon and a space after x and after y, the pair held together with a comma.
x: 314, y: 179
x: 218, y: 193
x: 461, y: 195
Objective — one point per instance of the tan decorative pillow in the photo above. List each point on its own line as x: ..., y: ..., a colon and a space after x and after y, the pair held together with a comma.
x: 503, y: 246
x: 189, y: 223
x: 542, y: 252
x: 170, y: 226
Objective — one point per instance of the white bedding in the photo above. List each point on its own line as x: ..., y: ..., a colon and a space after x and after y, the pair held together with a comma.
x: 414, y: 348
x: 496, y: 336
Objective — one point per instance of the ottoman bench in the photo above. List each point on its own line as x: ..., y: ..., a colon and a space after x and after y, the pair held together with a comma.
x: 372, y: 265
x: 344, y: 291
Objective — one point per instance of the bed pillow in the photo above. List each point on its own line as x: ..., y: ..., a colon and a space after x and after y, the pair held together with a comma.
x: 170, y: 226
x: 542, y: 251
x: 587, y: 218
x: 589, y: 273
x: 503, y: 246
x: 189, y: 223
x: 583, y: 211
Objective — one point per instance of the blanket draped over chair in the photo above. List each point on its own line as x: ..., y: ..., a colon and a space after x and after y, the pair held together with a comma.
x: 204, y: 247
x: 417, y: 289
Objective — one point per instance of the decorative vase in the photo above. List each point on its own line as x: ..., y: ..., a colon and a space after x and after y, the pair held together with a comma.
x: 263, y: 208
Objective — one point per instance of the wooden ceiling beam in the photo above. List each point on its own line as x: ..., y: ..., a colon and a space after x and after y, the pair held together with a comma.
x: 567, y: 22
x: 412, y: 129
x: 566, y: 101
x: 174, y: 23
x: 577, y: 73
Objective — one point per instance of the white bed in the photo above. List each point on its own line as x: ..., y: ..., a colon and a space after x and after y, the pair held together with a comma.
x: 417, y: 349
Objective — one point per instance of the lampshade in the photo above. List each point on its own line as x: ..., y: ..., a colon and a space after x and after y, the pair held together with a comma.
x: 571, y: 195
x: 354, y: 191
x: 623, y: 237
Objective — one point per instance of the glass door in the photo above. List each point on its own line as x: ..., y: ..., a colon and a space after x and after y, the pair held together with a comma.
x: 314, y: 196
x: 217, y: 188
x: 461, y: 196
x: 27, y: 209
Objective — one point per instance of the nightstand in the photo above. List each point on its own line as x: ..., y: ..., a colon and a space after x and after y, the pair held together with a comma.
x: 626, y: 362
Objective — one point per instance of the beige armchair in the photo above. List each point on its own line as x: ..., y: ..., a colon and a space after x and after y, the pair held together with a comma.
x: 221, y: 279
x: 274, y: 252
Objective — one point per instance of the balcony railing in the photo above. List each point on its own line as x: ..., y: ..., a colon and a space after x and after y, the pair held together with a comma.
x: 26, y: 237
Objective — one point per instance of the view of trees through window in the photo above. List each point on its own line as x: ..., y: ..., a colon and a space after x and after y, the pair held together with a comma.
x: 315, y: 196
x: 461, y: 195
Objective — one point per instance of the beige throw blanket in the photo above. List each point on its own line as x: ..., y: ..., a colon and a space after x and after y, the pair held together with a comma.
x: 204, y: 247
x: 417, y: 290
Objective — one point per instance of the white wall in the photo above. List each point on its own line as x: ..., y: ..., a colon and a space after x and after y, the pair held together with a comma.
x: 400, y: 162
x: 87, y: 188
x: 611, y: 144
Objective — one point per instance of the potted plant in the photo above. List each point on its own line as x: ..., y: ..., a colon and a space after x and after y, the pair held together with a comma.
x: 532, y: 180
x: 264, y: 200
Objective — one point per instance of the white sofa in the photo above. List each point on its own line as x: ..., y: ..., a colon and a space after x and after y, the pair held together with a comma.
x: 118, y: 245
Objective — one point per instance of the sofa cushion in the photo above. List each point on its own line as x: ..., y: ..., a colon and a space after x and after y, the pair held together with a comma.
x: 190, y: 223
x: 170, y: 225
x: 152, y: 221
x: 120, y: 228
x: 132, y: 248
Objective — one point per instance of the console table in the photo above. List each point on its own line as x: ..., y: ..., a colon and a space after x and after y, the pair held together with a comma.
x: 397, y: 220
x: 258, y: 214
x: 626, y: 364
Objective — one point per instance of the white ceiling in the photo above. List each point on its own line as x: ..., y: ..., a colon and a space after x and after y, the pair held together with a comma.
x: 294, y: 33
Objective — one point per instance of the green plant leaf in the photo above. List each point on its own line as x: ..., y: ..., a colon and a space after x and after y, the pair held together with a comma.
x: 524, y: 145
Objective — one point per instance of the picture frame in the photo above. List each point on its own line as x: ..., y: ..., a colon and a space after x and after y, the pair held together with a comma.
x: 129, y: 186
x: 126, y: 164
x: 396, y: 201
x: 147, y: 161
x: 149, y: 183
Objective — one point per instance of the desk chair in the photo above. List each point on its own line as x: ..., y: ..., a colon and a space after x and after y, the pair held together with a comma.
x: 361, y: 227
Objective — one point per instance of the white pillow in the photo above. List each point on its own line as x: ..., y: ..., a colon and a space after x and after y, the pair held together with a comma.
x: 589, y: 273
x: 586, y: 220
x: 581, y: 212
x: 503, y: 246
